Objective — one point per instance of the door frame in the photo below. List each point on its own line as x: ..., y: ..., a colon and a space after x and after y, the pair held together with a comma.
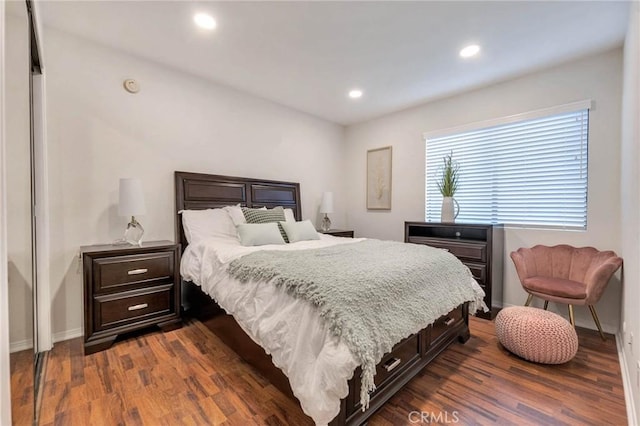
x: 42, y: 243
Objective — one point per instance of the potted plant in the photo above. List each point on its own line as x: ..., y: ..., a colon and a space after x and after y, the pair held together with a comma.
x: 448, y: 185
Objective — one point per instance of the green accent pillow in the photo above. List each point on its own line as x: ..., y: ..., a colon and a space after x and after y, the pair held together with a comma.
x: 259, y: 234
x: 300, y: 231
x: 275, y: 214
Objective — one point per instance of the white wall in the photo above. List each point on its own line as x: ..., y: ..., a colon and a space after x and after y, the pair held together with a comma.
x: 5, y: 378
x: 98, y: 132
x: 597, y: 77
x: 630, y: 207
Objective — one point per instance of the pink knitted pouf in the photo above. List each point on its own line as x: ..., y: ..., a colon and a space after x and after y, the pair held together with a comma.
x: 536, y: 335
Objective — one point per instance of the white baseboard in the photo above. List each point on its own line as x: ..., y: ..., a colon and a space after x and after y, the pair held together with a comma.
x: 627, y: 383
x: 67, y: 334
x: 57, y: 337
x: 20, y: 345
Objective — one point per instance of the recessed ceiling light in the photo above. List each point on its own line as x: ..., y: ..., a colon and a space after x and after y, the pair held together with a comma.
x: 469, y: 51
x: 355, y: 94
x: 205, y: 21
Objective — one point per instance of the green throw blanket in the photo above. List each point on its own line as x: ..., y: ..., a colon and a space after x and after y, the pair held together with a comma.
x: 371, y: 293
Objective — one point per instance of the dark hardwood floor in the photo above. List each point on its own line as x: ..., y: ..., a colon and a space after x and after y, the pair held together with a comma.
x: 22, y: 399
x: 188, y: 376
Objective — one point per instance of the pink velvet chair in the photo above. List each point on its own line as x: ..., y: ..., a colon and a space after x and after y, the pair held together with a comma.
x: 565, y: 274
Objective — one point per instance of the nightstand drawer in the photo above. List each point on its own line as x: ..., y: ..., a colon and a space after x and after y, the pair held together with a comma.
x: 445, y: 323
x: 338, y: 232
x: 121, y: 308
x: 346, y: 234
x: 124, y: 272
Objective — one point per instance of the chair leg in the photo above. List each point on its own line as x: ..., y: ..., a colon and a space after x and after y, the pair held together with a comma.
x: 546, y: 304
x: 594, y: 314
x: 571, y: 318
x: 529, y: 299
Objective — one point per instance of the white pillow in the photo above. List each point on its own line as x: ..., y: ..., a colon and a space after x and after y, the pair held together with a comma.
x: 235, y: 212
x: 289, y: 216
x: 259, y: 234
x: 300, y: 231
x: 201, y: 224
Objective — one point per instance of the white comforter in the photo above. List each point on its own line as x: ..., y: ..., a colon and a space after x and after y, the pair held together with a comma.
x: 317, y: 363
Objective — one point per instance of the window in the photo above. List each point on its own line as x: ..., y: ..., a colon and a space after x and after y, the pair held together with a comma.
x: 528, y: 170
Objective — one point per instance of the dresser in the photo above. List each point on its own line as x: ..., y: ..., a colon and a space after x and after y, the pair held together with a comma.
x: 128, y: 288
x: 480, y: 247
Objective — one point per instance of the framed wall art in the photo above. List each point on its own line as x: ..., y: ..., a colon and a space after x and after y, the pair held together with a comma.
x: 379, y: 179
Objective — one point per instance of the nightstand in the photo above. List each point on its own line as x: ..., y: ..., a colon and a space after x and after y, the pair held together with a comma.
x: 338, y: 233
x: 128, y: 288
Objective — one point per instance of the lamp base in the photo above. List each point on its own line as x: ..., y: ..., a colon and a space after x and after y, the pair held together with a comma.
x: 326, y: 223
x: 134, y: 232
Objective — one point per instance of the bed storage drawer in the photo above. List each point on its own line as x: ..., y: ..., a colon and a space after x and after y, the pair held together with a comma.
x: 445, y: 323
x: 121, y: 272
x: 410, y: 355
x: 391, y: 365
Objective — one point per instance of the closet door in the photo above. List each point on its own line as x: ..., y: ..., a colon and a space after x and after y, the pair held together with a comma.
x: 19, y: 212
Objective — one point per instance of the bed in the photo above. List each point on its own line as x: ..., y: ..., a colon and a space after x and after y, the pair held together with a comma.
x: 195, y: 191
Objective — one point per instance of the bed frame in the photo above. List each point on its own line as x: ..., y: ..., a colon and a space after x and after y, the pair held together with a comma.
x: 407, y: 359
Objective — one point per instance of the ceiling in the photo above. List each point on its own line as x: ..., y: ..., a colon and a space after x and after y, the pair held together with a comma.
x: 308, y: 55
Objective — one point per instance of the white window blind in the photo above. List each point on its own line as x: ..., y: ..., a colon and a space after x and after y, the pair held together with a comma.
x: 531, y: 172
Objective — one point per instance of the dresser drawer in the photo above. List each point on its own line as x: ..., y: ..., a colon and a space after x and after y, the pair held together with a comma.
x: 446, y: 322
x: 126, y: 272
x: 122, y: 308
x: 478, y: 271
x: 461, y: 249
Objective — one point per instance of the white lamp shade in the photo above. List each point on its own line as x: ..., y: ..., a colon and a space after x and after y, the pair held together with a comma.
x: 131, y: 201
x: 327, y: 203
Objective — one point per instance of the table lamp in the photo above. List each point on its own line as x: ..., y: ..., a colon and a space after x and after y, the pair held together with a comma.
x: 326, y: 206
x: 132, y: 204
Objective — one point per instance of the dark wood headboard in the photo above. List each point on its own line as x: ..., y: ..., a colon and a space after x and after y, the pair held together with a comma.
x: 197, y: 191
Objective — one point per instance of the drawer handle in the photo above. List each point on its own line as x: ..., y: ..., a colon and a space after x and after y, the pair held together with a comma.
x: 137, y: 307
x: 449, y: 321
x: 392, y: 363
x: 137, y: 271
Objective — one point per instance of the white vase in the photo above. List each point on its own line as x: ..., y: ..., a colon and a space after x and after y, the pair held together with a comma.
x: 448, y: 213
